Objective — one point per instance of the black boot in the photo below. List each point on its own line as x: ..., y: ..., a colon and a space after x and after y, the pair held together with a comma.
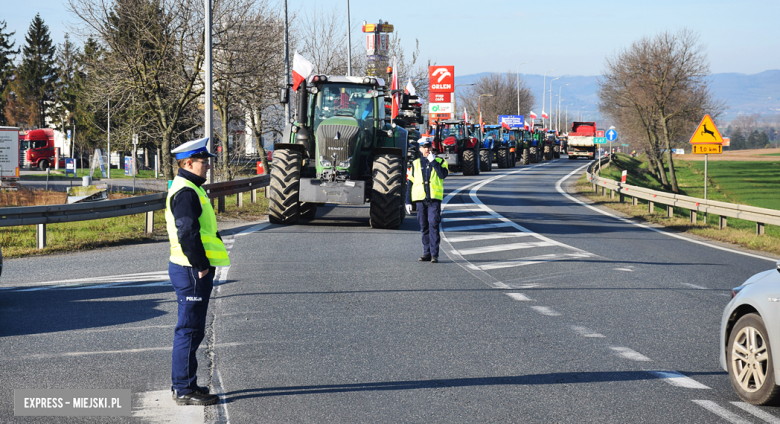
x: 196, y: 398
x: 425, y: 258
x: 203, y: 390
x: 434, y: 259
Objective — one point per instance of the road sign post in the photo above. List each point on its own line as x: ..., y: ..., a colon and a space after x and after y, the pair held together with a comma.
x: 706, y: 140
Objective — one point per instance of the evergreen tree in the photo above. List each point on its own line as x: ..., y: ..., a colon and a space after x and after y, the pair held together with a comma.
x: 7, y: 54
x: 38, y: 73
x: 64, y: 88
x: 737, y: 140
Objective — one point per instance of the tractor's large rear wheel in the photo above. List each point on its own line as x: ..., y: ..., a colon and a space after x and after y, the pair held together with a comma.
x: 557, y: 152
x: 387, y: 203
x: 524, y: 157
x: 547, y: 152
x: 485, y: 164
x: 503, y: 158
x: 470, y: 163
x: 283, y: 207
x: 533, y: 154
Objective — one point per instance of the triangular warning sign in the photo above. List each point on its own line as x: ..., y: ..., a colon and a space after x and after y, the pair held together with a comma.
x: 707, y: 133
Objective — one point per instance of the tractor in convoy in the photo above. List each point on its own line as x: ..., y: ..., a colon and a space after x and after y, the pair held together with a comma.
x: 342, y: 149
x: 502, y: 144
x: 453, y: 142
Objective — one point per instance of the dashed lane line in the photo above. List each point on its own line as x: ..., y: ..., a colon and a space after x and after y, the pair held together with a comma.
x: 519, y: 297
x: 721, y: 411
x: 694, y: 286
x: 585, y: 332
x: 757, y: 412
x: 544, y: 310
x: 631, y: 354
x: 678, y: 380
x: 468, y: 218
x: 461, y: 210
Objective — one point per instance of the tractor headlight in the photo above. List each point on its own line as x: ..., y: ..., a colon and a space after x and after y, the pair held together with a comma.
x: 346, y: 163
x: 325, y: 163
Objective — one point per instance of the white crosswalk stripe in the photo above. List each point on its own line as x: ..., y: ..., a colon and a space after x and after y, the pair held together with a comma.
x: 486, y: 237
x: 467, y: 218
x: 676, y: 379
x: 757, y: 412
x: 532, y: 260
x: 478, y: 227
x: 721, y: 411
x: 504, y: 247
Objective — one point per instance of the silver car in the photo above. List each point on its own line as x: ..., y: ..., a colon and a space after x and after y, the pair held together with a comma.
x: 749, y: 329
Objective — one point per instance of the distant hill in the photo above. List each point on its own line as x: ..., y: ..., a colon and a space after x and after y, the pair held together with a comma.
x: 744, y: 94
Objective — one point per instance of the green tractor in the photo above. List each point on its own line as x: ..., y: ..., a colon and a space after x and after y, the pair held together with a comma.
x: 342, y: 149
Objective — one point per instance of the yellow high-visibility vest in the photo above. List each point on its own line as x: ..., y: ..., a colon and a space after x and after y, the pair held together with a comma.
x: 215, y: 249
x: 435, y: 185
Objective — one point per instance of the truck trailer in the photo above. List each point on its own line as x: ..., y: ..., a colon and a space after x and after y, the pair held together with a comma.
x: 580, y: 142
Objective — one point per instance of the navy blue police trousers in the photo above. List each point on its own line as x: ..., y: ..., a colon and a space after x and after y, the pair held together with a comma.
x: 429, y: 218
x: 192, y: 297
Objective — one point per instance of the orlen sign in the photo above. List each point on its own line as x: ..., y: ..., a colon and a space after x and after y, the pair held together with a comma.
x: 441, y: 79
x: 441, y: 97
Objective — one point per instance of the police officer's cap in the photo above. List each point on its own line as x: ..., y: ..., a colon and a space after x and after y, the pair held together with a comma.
x: 424, y: 141
x: 193, y: 149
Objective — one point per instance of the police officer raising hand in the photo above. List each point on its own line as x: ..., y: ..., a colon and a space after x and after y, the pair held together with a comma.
x: 196, y: 249
x: 427, y: 192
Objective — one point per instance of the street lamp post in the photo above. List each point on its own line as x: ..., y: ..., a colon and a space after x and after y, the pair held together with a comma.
x: 479, y: 110
x: 551, y: 103
x: 558, y: 113
x: 544, y: 88
x: 208, y: 108
x: 349, y: 45
x: 518, y: 85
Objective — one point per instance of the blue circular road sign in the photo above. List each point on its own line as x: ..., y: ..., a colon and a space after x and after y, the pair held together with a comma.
x: 611, y: 135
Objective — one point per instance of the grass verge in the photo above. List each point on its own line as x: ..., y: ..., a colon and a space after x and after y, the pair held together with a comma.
x: 725, y: 186
x: 88, y: 235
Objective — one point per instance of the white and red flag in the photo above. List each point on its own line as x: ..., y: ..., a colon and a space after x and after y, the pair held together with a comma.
x: 409, y: 89
x: 481, y: 124
x: 505, y: 125
x: 544, y: 115
x: 394, y: 90
x: 532, y: 115
x: 302, y: 68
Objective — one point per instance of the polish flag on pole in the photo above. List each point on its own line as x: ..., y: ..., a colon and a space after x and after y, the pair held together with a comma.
x: 505, y: 125
x: 394, y: 90
x: 481, y: 124
x: 544, y: 115
x: 532, y: 115
x: 302, y: 68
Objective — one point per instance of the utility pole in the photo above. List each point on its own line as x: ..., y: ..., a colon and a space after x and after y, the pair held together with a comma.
x: 544, y: 88
x: 551, y: 103
x: 208, y: 108
x: 108, y: 162
x: 286, y: 66
x: 518, y: 85
x: 349, y: 45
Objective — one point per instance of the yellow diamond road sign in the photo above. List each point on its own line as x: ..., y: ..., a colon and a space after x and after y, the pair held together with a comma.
x: 707, y: 133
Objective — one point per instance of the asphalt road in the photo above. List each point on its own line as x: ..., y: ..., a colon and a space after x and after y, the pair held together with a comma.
x: 541, y: 310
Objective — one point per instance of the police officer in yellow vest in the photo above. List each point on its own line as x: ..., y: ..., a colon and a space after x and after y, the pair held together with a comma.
x: 427, y: 191
x: 196, y: 249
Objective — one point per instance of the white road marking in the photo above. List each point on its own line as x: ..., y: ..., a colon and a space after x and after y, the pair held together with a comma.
x: 477, y: 227
x: 724, y: 294
x: 519, y: 297
x: 458, y: 205
x: 584, y: 332
x: 757, y: 412
x: 500, y: 285
x: 624, y: 269
x: 523, y: 286
x: 486, y: 237
x: 721, y: 411
x: 127, y: 278
x: 629, y: 354
x: 503, y: 247
x: 695, y: 286
x: 676, y: 379
x: 657, y: 230
x: 544, y: 310
x: 531, y: 260
x: 462, y: 210
x: 158, y: 407
x: 253, y: 229
x: 467, y: 218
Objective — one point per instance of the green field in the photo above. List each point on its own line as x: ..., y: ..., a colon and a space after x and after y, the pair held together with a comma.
x: 771, y: 154
x: 741, y: 182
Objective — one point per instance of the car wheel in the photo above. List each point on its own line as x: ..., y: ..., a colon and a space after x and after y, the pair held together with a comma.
x: 750, y: 366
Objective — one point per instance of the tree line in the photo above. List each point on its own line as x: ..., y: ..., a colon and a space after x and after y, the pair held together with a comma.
x: 142, y: 62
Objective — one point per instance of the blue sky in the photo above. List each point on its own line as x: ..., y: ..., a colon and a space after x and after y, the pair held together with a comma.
x: 573, y: 37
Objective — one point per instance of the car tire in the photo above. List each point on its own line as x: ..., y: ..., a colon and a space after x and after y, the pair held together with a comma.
x: 749, y: 361
x: 283, y: 205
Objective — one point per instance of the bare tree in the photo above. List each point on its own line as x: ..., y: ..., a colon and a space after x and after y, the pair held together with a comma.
x: 503, y: 89
x: 660, y: 84
x: 154, y: 50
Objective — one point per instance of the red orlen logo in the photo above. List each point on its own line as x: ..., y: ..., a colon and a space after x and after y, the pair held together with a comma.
x: 441, y: 79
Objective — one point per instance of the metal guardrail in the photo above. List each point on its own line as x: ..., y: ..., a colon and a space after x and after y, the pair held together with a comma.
x: 54, y: 214
x: 761, y: 216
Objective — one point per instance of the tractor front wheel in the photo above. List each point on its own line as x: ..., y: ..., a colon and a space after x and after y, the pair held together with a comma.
x: 387, y: 204
x: 283, y: 207
x: 470, y: 163
x: 503, y: 158
x: 485, y: 164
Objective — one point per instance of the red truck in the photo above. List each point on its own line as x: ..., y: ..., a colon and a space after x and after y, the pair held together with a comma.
x: 36, y: 149
x: 580, y: 141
